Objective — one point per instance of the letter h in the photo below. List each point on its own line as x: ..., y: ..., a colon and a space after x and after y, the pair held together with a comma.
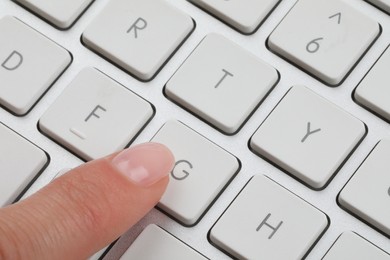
x: 264, y: 222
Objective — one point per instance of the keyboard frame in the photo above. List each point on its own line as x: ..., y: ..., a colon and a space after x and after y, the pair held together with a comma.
x: 237, y: 144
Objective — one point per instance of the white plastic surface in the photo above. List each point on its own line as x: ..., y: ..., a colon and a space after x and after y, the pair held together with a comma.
x: 374, y: 91
x: 60, y: 13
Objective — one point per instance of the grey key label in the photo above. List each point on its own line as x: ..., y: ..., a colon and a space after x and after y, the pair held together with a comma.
x: 94, y: 113
x: 139, y: 24
x: 309, y: 132
x: 265, y: 223
x: 313, y: 46
x: 78, y: 133
x: 13, y: 61
x: 180, y: 171
x: 338, y: 15
x: 226, y: 74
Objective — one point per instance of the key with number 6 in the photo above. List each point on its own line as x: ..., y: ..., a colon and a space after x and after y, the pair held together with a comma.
x: 324, y: 38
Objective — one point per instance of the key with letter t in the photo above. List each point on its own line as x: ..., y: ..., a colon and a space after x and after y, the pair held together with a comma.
x: 221, y: 83
x: 266, y: 221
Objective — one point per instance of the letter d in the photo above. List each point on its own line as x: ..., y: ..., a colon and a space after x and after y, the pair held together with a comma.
x: 14, y: 60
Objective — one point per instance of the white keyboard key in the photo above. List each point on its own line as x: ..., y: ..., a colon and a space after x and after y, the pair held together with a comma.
x: 351, y: 246
x: 308, y: 137
x: 95, y: 116
x: 61, y: 14
x: 244, y: 15
x: 222, y: 83
x: 382, y: 4
x: 373, y: 91
x: 266, y: 221
x: 367, y: 194
x: 138, y: 35
x: 201, y: 172
x: 155, y: 243
x: 325, y: 38
x: 14, y: 175
x: 29, y: 65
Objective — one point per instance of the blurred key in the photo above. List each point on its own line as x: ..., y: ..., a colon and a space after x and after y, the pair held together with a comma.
x: 352, y: 246
x: 244, y: 15
x: 155, y: 243
x: 367, y: 194
x: 382, y: 4
x: 20, y: 162
x: 373, y: 91
x: 61, y: 13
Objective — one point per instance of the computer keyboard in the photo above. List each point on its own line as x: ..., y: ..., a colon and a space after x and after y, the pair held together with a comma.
x: 277, y: 113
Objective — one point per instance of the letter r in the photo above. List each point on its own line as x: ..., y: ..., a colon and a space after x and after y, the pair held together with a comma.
x: 139, y: 24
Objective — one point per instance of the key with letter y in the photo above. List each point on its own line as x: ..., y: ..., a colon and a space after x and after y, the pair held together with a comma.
x: 308, y: 137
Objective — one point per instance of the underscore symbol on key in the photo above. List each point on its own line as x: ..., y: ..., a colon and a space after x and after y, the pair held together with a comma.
x: 226, y: 73
x: 338, y: 15
x: 78, y: 133
x: 309, y: 132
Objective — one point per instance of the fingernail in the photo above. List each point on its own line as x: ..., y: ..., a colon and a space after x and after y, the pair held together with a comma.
x: 144, y: 164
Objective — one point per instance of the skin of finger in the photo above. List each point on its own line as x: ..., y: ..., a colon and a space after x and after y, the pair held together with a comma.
x: 76, y: 215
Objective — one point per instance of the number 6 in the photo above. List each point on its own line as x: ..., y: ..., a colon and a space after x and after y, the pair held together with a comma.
x: 313, y: 46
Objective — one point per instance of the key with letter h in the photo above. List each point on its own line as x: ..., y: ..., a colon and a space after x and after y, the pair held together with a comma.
x: 248, y: 229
